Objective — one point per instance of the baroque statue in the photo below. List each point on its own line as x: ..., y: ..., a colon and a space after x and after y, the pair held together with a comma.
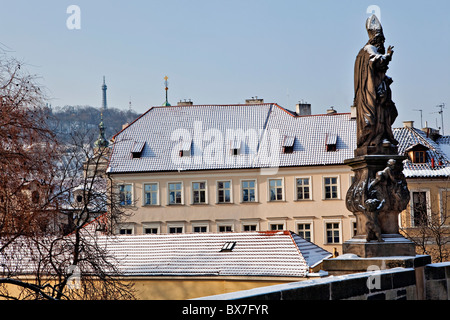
x: 379, y: 191
x: 373, y: 98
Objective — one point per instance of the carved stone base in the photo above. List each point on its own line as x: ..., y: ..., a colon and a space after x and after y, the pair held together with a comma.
x: 376, y: 181
x: 393, y: 245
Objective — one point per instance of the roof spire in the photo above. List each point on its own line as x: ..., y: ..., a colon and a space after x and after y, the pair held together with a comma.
x: 101, y: 141
x: 166, y: 83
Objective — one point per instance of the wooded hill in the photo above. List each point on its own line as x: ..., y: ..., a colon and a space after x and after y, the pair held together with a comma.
x: 67, y: 120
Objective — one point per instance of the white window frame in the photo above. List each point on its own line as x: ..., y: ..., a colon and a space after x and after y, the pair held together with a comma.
x: 176, y: 225
x: 144, y: 198
x: 277, y: 222
x: 200, y: 224
x: 206, y: 192
x: 283, y: 189
x: 217, y: 191
x: 310, y: 188
x: 325, y: 237
x: 310, y: 222
x: 151, y: 225
x: 250, y: 223
x: 126, y: 226
x: 242, y: 190
x: 225, y: 224
x: 338, y: 183
x: 411, y: 205
x: 168, y: 193
x: 132, y: 193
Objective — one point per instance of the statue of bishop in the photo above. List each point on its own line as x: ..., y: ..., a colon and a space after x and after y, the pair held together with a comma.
x: 376, y: 112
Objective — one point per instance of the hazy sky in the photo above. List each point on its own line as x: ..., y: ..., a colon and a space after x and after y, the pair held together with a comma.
x: 225, y: 51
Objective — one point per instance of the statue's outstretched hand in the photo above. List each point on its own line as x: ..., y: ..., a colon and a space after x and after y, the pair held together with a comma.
x: 390, y: 50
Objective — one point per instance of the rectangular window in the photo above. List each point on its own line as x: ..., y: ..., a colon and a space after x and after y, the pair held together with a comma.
x: 200, y: 229
x: 333, y: 232
x: 125, y: 194
x: 175, y: 229
x: 248, y: 191
x: 198, y: 192
x: 276, y: 189
x: 224, y: 192
x: 419, y: 157
x: 304, y: 231
x: 249, y: 227
x: 175, y: 193
x: 226, y: 228
x: 354, y: 228
x: 150, y: 230
x: 420, y: 212
x: 331, y: 188
x: 303, y: 189
x: 276, y: 226
x: 126, y: 231
x: 151, y: 194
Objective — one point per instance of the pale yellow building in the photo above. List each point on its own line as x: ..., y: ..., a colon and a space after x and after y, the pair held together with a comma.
x: 251, y: 167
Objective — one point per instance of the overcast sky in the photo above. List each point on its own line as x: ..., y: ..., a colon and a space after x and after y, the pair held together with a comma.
x: 225, y: 51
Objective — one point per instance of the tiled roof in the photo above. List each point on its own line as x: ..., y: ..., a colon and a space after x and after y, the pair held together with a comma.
x: 279, y: 253
x: 213, y: 129
x: 265, y: 254
x: 411, y: 137
x: 208, y: 133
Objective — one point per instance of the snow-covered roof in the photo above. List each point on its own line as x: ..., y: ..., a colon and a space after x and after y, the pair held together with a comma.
x: 270, y: 253
x: 212, y: 129
x: 437, y: 162
x: 183, y: 138
x: 259, y: 254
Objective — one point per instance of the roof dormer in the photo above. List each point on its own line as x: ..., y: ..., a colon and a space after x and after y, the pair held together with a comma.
x: 417, y: 153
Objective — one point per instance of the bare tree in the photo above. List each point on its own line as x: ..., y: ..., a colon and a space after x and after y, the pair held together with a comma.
x: 430, y: 229
x: 57, y: 205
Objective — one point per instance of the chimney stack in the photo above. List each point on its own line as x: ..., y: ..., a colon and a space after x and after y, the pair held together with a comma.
x: 408, y: 124
x: 254, y: 100
x: 185, y: 103
x: 303, y: 109
x: 331, y: 110
x: 353, y: 112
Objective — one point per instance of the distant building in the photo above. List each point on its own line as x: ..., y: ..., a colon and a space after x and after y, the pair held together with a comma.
x: 253, y: 167
x: 427, y: 171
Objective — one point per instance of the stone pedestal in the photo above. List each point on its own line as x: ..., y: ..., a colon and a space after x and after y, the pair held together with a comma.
x: 377, y: 196
x: 393, y: 245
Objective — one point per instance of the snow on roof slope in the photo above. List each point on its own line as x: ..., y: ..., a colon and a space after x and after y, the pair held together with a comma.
x: 279, y: 253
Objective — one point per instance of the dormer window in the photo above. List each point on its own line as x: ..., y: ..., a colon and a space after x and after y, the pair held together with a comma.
x: 138, y: 147
x: 331, y: 142
x: 419, y: 157
x: 288, y: 144
x: 235, y: 147
x: 417, y: 153
x: 185, y: 149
